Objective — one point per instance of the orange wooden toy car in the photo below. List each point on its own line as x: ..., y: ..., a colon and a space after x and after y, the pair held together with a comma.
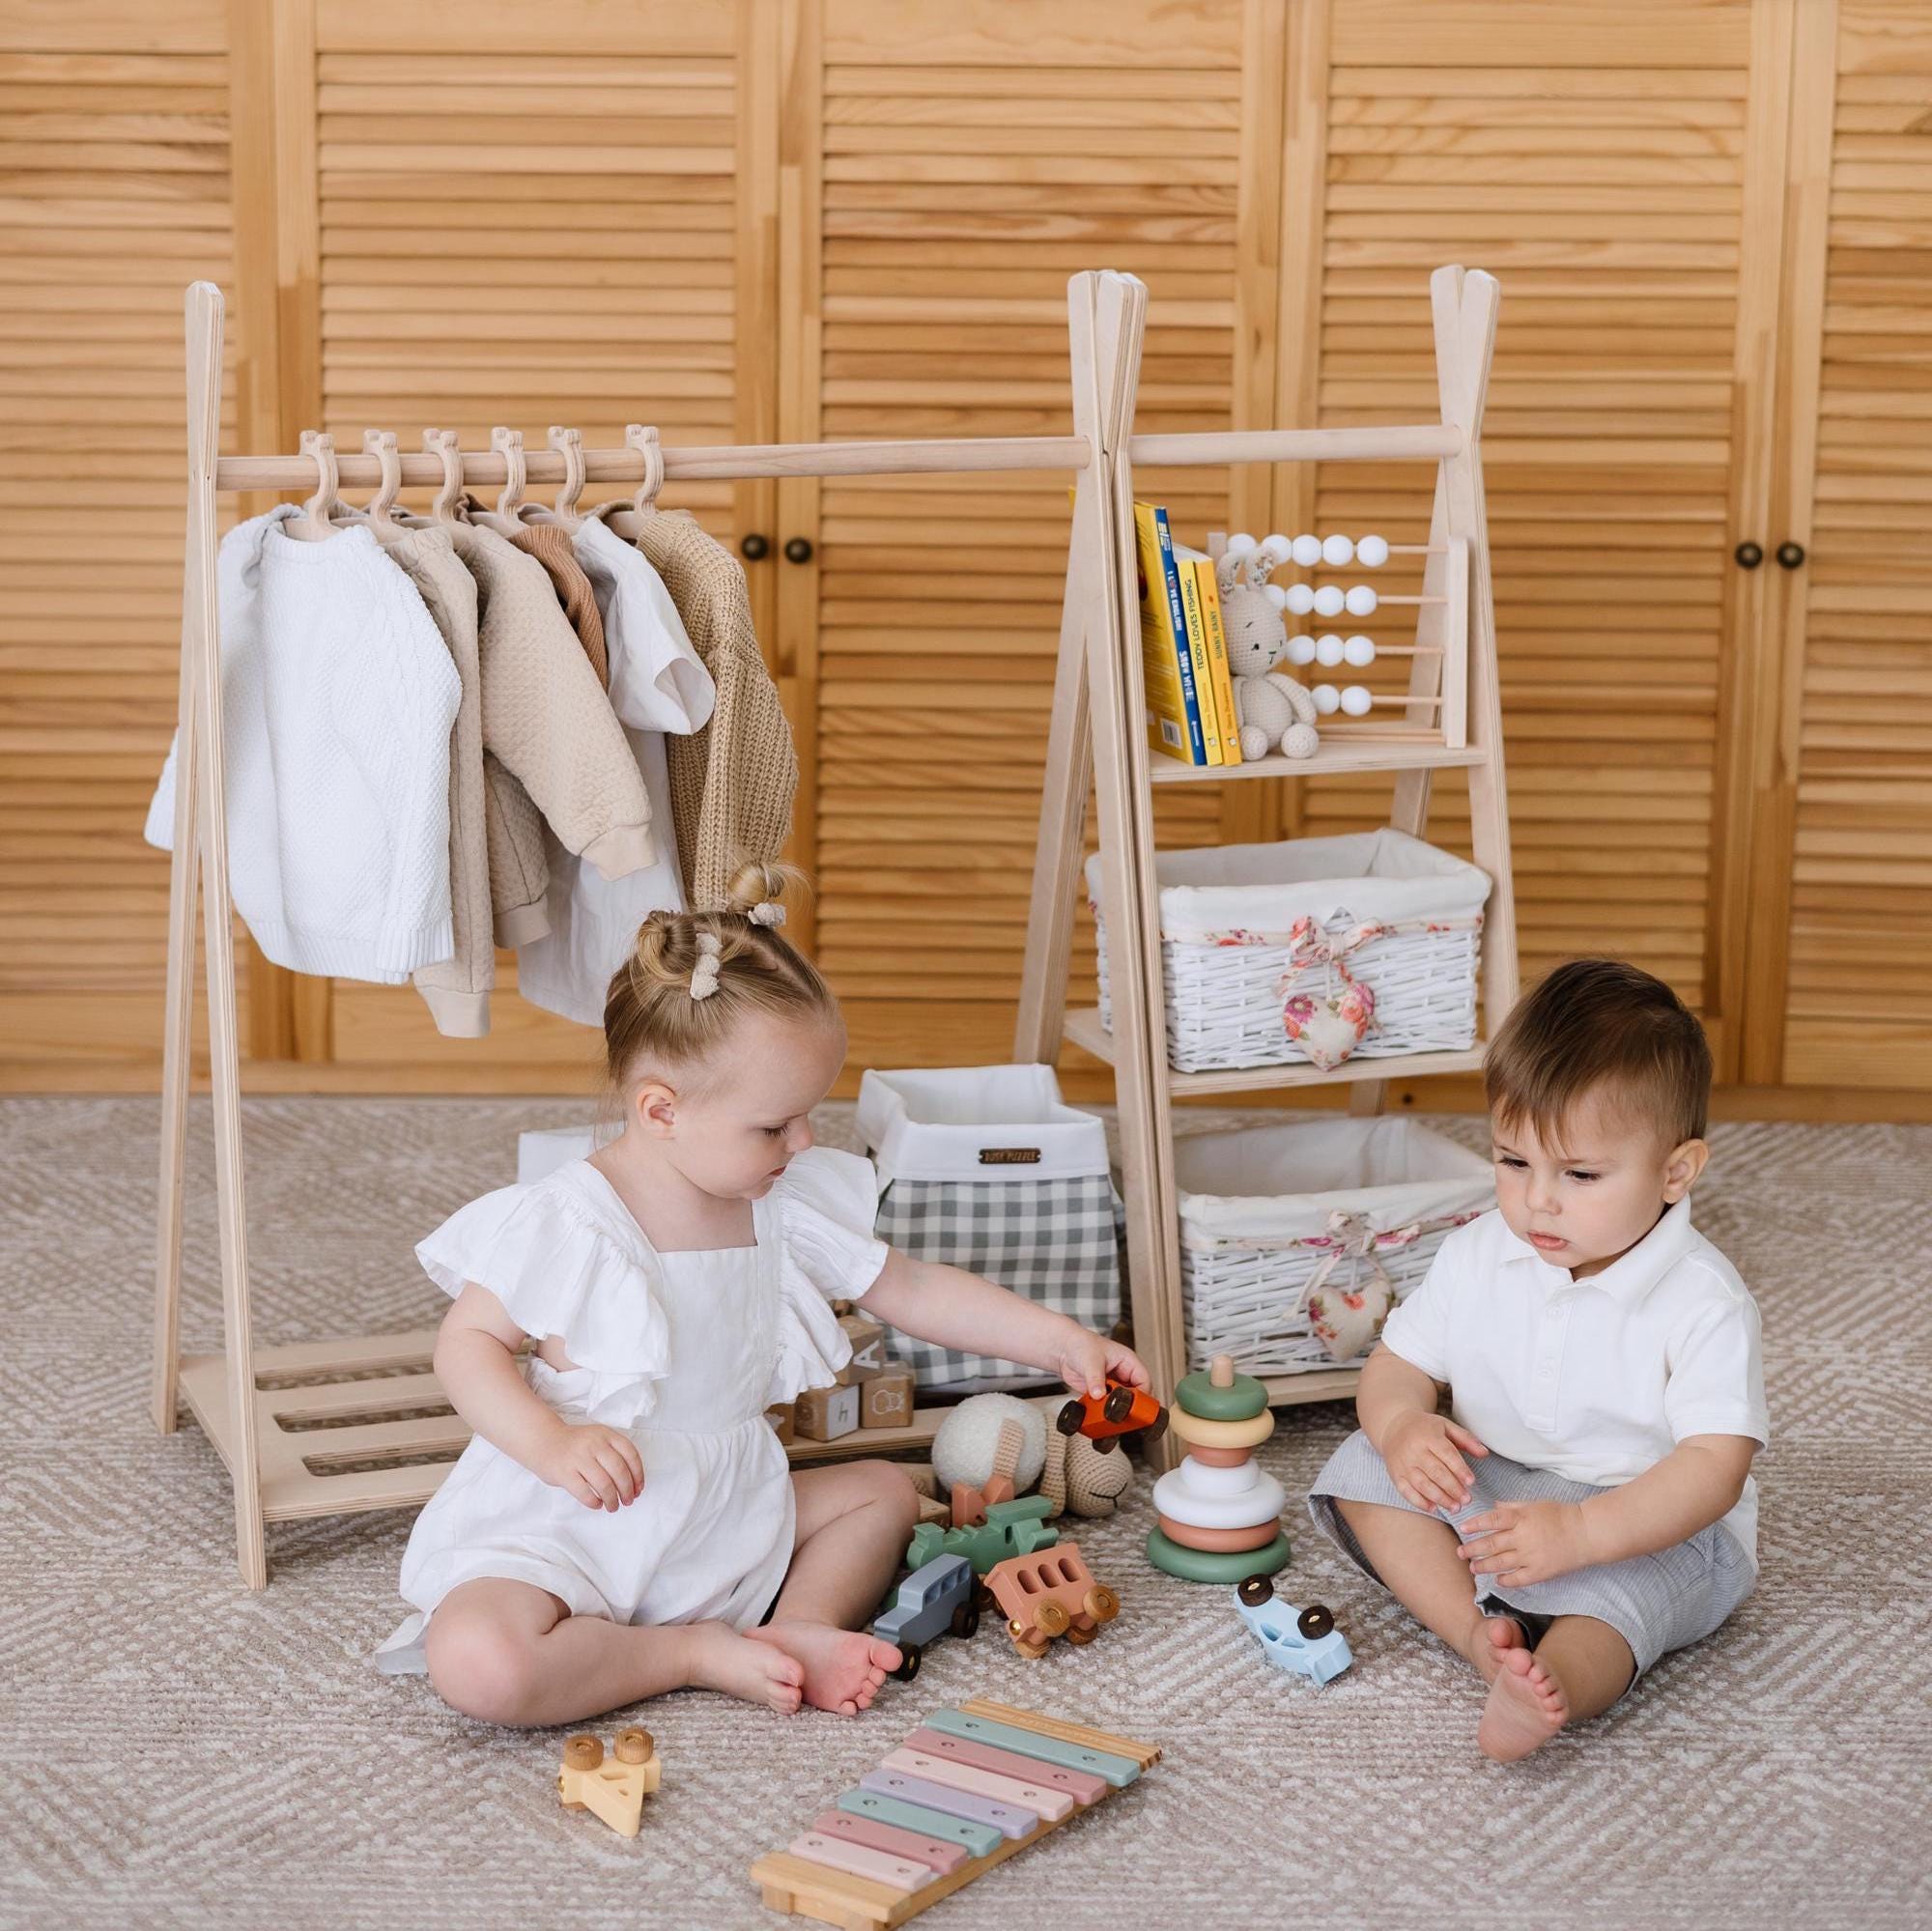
x: 1121, y: 1410
x: 1050, y: 1594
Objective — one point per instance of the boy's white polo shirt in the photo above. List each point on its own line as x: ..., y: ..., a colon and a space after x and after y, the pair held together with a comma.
x: 1596, y: 1379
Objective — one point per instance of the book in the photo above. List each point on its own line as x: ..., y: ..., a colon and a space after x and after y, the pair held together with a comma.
x: 1167, y: 665
x: 1197, y: 650
x: 1220, y: 681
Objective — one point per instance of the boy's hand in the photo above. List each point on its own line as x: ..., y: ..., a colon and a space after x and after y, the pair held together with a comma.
x: 1420, y: 1451
x: 1087, y: 1360
x: 599, y: 1465
x: 1526, y: 1542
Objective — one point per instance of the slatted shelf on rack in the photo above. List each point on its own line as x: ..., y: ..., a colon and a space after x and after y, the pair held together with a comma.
x: 1356, y: 754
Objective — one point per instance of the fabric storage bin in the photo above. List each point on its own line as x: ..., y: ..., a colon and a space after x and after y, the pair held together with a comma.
x: 1313, y: 950
x: 1320, y: 1225
x: 986, y: 1168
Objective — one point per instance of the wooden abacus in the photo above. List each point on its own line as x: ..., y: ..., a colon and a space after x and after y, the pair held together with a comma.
x: 964, y: 1792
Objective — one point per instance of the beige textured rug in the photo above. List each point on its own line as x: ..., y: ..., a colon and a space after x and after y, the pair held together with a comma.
x: 179, y: 1752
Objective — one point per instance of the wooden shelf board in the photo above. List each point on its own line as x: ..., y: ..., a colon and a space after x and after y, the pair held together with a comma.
x: 1363, y: 754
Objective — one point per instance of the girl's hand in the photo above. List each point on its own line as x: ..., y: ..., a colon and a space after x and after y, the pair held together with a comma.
x: 1420, y: 1449
x: 1088, y: 1360
x: 599, y: 1465
x: 1526, y: 1542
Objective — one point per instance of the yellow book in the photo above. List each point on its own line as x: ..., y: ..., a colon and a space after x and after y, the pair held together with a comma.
x: 1197, y: 649
x: 1171, y: 727
x: 1220, y: 683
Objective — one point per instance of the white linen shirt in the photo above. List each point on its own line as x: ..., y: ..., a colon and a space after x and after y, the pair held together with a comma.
x: 1596, y: 1379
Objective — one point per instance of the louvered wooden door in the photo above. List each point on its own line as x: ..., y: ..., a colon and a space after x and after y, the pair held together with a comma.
x: 956, y: 166
x: 523, y: 214
x: 1841, y: 916
x: 1617, y: 167
x: 116, y: 143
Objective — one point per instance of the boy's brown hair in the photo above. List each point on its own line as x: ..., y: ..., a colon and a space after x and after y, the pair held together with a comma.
x: 1600, y: 1023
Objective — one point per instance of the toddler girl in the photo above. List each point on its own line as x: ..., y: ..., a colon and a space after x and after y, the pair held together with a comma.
x: 1601, y: 1359
x: 624, y: 1521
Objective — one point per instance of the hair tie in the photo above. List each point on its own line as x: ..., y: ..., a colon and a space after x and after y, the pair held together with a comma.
x: 766, y: 913
x: 704, y: 974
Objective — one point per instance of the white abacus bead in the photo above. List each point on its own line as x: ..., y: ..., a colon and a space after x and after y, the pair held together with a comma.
x: 1357, y: 701
x: 1275, y: 551
x: 1360, y: 601
x: 1328, y: 601
x: 1300, y: 599
x: 1301, y: 650
x: 1240, y: 544
x: 1372, y: 551
x: 1327, y: 700
x: 1276, y: 594
x: 1328, y: 649
x: 1307, y: 551
x: 1336, y: 551
x: 1359, y: 650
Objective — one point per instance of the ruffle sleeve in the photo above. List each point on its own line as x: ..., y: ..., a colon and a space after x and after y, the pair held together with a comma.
x: 557, y: 1271
x: 827, y: 1201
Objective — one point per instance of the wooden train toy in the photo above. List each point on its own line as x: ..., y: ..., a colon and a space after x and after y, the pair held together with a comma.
x: 964, y: 1792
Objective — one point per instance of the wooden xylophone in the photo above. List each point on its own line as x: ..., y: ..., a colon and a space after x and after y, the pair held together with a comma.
x: 964, y: 1792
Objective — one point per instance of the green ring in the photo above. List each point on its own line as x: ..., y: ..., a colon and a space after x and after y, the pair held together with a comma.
x: 1243, y: 1400
x: 1201, y: 1565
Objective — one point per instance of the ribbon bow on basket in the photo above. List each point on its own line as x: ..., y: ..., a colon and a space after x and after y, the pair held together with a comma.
x: 1328, y: 1026
x: 1347, y: 1319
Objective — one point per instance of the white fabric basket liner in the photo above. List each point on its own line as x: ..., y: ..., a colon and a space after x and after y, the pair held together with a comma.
x: 936, y: 1124
x: 1383, y: 875
x: 1267, y: 1183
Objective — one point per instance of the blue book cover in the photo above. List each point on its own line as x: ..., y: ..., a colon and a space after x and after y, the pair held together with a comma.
x: 1196, y: 744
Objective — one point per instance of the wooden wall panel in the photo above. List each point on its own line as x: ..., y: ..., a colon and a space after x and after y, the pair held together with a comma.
x: 967, y: 170
x: 114, y: 194
x: 1595, y: 160
x: 1856, y: 1007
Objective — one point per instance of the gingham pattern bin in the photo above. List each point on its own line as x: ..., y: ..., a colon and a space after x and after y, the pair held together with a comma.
x: 1243, y: 926
x: 986, y: 1168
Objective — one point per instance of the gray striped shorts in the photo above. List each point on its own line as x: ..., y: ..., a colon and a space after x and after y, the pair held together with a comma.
x: 1656, y: 1602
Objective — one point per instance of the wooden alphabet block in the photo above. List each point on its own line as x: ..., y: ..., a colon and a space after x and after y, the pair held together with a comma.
x: 868, y: 1350
x: 885, y: 1400
x: 784, y: 1422
x: 824, y: 1414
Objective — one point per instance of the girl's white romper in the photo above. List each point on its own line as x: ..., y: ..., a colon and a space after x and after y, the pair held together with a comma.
x: 684, y: 1352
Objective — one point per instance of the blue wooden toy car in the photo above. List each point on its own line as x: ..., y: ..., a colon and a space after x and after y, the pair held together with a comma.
x: 1304, y: 1640
x: 930, y: 1601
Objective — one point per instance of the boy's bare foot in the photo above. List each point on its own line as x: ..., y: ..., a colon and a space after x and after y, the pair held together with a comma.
x: 1490, y: 1640
x: 844, y: 1668
x: 723, y: 1660
x: 1526, y: 1708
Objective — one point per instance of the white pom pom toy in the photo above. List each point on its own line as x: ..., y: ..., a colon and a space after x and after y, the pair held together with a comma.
x: 1360, y: 601
x: 1355, y: 701
x: 1307, y: 551
x: 1328, y: 601
x: 1300, y: 599
x: 1301, y: 650
x: 1328, y: 649
x: 1327, y: 700
x: 1336, y: 551
x: 1372, y: 551
x: 1359, y: 650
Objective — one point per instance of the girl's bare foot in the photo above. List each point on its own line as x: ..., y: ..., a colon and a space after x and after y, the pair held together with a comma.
x: 723, y: 1660
x: 1526, y: 1707
x: 844, y: 1668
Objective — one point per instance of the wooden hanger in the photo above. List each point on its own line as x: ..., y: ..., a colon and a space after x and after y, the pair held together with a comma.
x: 507, y: 517
x: 448, y: 507
x: 378, y: 515
x: 313, y: 525
x: 624, y: 515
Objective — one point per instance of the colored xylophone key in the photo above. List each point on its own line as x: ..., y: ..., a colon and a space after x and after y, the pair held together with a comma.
x: 1081, y: 1785
x: 1118, y: 1771
x: 838, y: 1853
x: 956, y: 1776
x: 1011, y: 1819
x: 937, y: 1854
x: 977, y: 1838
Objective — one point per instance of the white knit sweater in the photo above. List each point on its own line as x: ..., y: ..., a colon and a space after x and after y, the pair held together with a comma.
x: 337, y: 696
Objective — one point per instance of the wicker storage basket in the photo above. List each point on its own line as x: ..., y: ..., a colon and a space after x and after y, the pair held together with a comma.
x: 1344, y: 1210
x: 1246, y: 929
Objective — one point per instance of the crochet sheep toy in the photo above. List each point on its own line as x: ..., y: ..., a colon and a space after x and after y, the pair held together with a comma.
x: 1270, y: 707
x: 999, y: 1434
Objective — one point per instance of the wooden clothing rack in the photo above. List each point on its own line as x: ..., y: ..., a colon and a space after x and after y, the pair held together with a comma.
x: 1455, y: 634
x: 261, y: 1406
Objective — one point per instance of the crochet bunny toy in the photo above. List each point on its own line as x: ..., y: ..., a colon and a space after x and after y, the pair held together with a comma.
x: 1271, y: 706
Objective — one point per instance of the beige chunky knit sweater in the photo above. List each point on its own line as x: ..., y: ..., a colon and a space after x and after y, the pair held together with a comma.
x: 732, y: 783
